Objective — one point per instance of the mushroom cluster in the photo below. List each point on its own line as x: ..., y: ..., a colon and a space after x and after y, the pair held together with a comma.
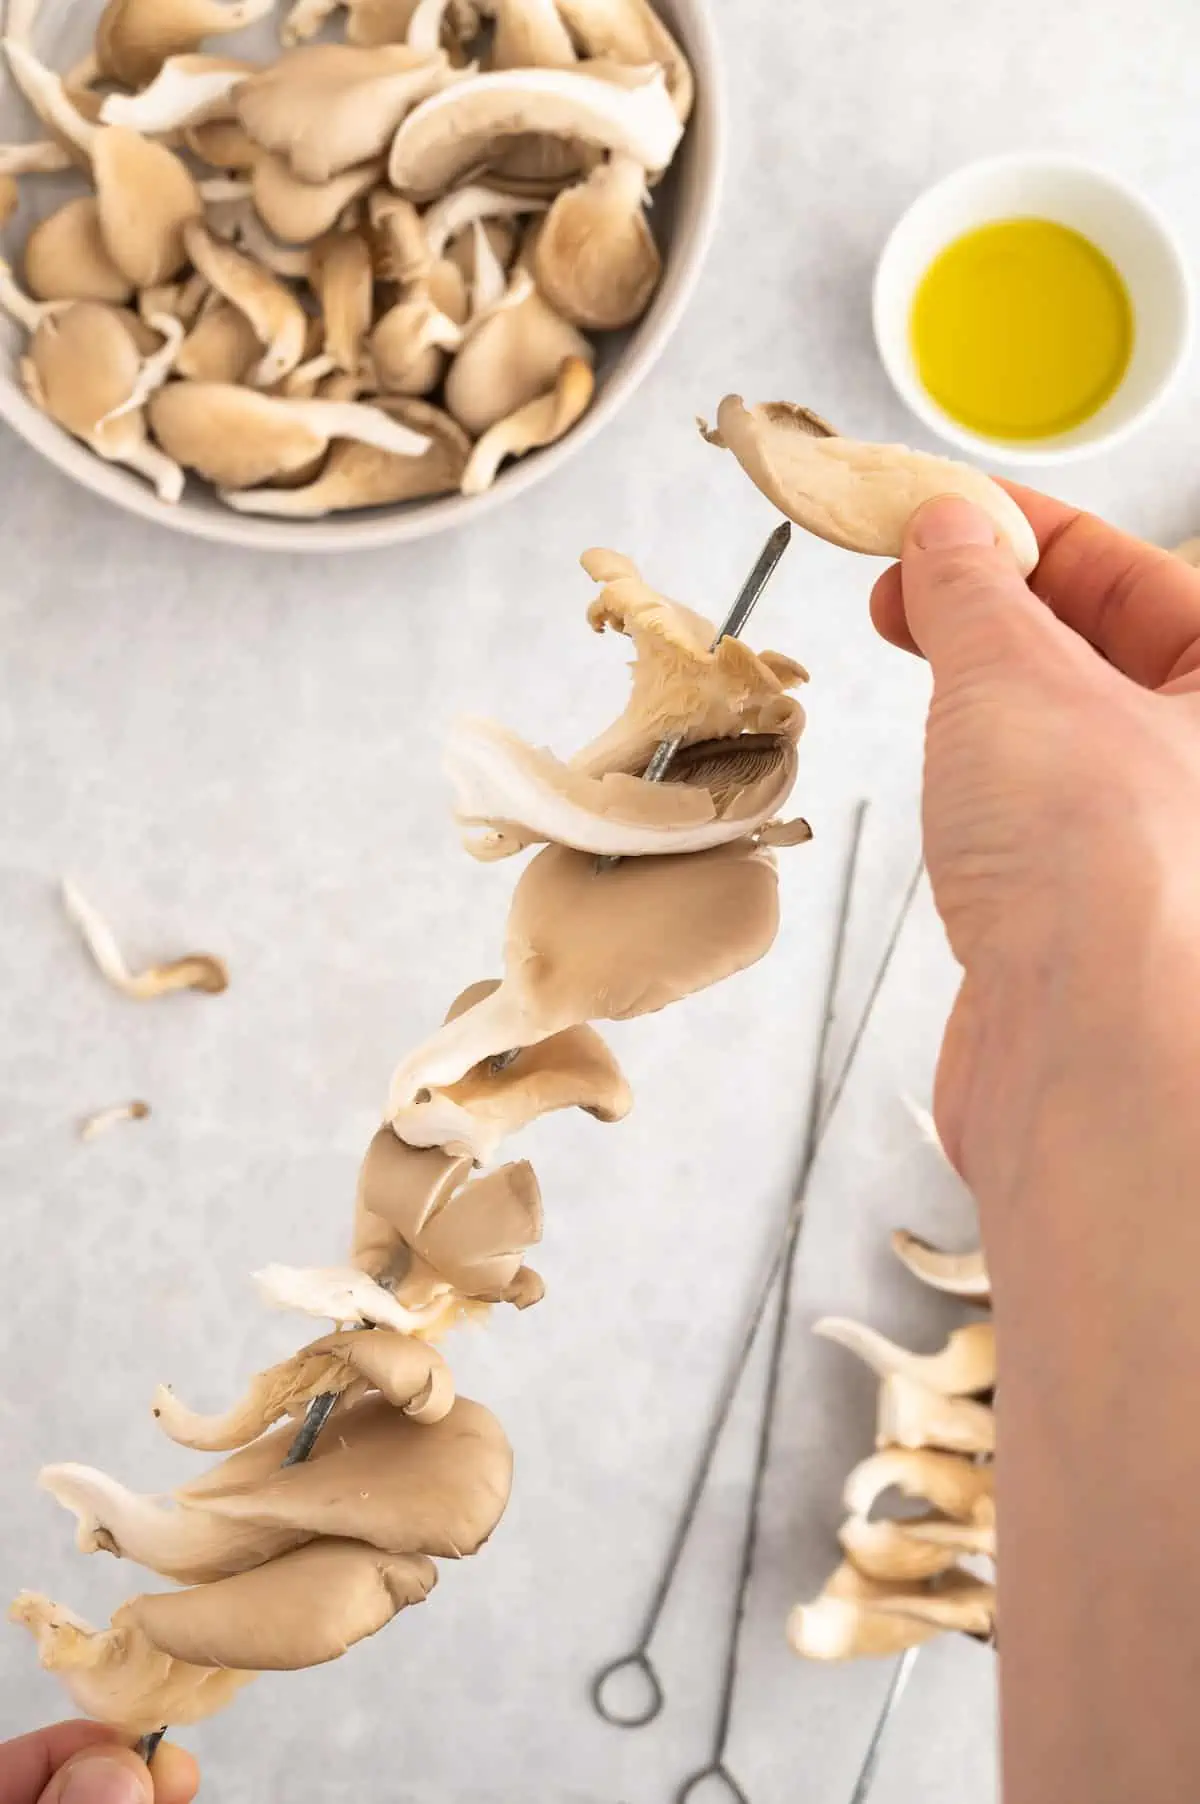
x: 906, y: 1579
x: 364, y: 273
x: 286, y: 1561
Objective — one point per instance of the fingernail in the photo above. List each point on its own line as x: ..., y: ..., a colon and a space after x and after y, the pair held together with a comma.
x: 102, y: 1782
x: 948, y: 522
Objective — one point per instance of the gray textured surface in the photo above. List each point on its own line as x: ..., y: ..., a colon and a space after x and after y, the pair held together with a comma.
x: 242, y: 753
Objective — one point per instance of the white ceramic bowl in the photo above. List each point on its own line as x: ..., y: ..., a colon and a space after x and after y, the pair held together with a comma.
x: 683, y: 216
x: 1116, y: 219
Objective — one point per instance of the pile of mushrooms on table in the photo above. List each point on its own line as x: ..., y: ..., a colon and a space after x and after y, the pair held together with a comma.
x: 367, y: 272
x: 285, y: 1565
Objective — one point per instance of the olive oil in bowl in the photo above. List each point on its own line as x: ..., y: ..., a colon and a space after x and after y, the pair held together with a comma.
x: 1021, y: 329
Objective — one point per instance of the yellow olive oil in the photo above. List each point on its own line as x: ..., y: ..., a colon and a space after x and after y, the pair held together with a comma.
x: 1021, y: 329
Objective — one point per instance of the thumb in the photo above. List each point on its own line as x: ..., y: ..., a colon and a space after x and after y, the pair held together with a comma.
x: 101, y: 1775
x: 966, y: 604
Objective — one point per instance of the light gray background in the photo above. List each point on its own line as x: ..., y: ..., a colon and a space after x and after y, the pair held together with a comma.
x: 241, y: 753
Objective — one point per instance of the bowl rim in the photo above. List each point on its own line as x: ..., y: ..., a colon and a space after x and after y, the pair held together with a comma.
x: 921, y: 403
x: 684, y: 263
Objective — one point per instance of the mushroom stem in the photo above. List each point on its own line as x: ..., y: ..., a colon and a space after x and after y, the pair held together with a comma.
x: 187, y: 1544
x: 352, y: 419
x: 155, y: 368
x: 187, y: 90
x: 149, y: 461
x: 22, y: 307
x: 41, y: 156
x: 965, y: 1367
x: 47, y: 95
x: 425, y: 27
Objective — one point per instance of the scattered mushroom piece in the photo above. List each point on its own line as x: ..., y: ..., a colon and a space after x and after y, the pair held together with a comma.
x: 136, y: 37
x: 117, y: 1675
x: 342, y: 280
x: 42, y: 156
x: 682, y: 688
x: 222, y: 346
x: 92, y: 1126
x: 518, y: 794
x: 187, y: 91
x: 958, y: 1274
x: 965, y: 1367
x: 856, y: 495
x: 412, y: 1376
x: 596, y: 261
x: 66, y: 257
x: 279, y: 321
x: 630, y: 31
x: 569, y: 1070
x: 327, y: 107
x: 913, y: 1415
x: 197, y: 971
x: 358, y: 475
x: 239, y: 437
x: 514, y: 357
x: 579, y: 947
x: 456, y: 129
x: 954, y: 1486
x: 540, y: 422
x: 299, y: 212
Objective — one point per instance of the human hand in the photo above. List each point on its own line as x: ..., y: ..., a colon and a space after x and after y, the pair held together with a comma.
x: 1061, y: 812
x: 85, y: 1763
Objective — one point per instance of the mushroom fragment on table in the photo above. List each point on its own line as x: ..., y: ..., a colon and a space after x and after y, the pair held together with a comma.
x: 381, y: 185
x: 286, y: 1558
x: 906, y: 1579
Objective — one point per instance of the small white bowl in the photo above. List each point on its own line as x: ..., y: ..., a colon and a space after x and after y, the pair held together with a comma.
x: 683, y: 214
x: 1117, y: 220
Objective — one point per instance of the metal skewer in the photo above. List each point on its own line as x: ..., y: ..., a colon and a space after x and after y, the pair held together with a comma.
x: 897, y: 1684
x: 638, y: 1658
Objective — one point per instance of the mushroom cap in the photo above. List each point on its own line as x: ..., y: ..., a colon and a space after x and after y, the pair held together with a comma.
x: 682, y: 688
x: 892, y: 1550
x: 845, y: 1622
x: 341, y: 274
x: 539, y: 422
x: 297, y: 211
x: 187, y: 91
x: 715, y: 790
x: 630, y: 31
x: 326, y: 107
x: 66, y: 259
x: 510, y: 359
x: 913, y: 1415
x: 958, y: 1274
x: 236, y: 437
x: 595, y: 260
x: 146, y: 196
x: 87, y: 365
x: 623, y: 110
x: 303, y: 1609
x: 401, y: 1486
x: 222, y: 144
x: 134, y: 38
x: 573, y: 1069
x: 357, y: 475
x: 404, y: 1184
x: 860, y: 496
x: 279, y: 321
x: 955, y: 1486
x: 222, y: 346
x: 965, y: 1367
x: 585, y: 945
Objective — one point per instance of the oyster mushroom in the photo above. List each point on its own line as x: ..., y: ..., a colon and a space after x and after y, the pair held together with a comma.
x: 145, y: 195
x: 682, y: 688
x: 303, y: 1609
x: 222, y: 144
x: 447, y: 218
x: 221, y: 347
x: 965, y: 1367
x: 66, y: 258
x: 958, y: 1274
x: 893, y: 1550
x: 117, y: 1675
x: 42, y: 156
x: 857, y: 1615
x: 238, y: 437
x: 456, y: 129
x: 630, y: 31
x: 84, y: 368
x: 405, y: 346
x: 582, y: 946
x: 512, y: 358
x: 716, y: 790
x: 279, y: 321
x: 327, y: 107
x: 294, y: 262
x: 954, y: 1486
x: 570, y: 1070
x: 595, y: 260
x: 399, y: 240
x: 409, y: 1373
x: 187, y: 91
x: 341, y: 1294
x: 342, y: 279
x: 358, y: 475
x: 856, y: 495
x: 913, y: 1415
x: 539, y: 422
x: 297, y: 211
x: 136, y: 37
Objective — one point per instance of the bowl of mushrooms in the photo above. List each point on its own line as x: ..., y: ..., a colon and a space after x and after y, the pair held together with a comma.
x: 322, y: 274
